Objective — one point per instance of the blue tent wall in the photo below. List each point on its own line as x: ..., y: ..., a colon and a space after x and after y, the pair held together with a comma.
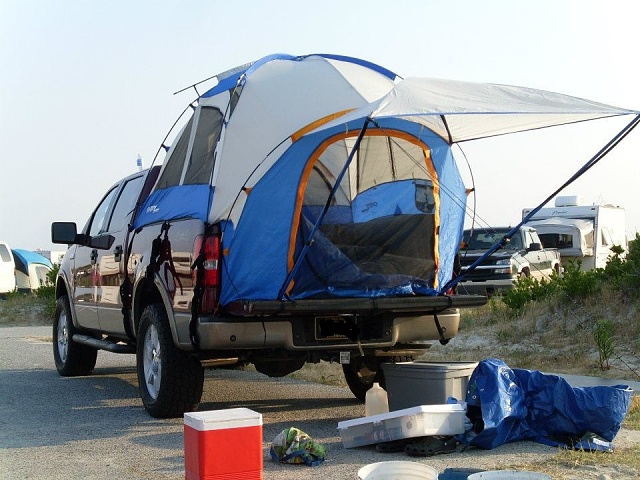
x: 180, y: 201
x: 256, y: 264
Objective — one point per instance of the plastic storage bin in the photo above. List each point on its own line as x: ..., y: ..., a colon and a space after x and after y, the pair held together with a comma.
x: 222, y: 444
x: 426, y: 383
x: 420, y: 421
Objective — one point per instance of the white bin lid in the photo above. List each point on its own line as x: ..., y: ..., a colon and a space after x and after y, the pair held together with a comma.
x: 420, y: 409
x: 223, y: 419
x: 435, y: 366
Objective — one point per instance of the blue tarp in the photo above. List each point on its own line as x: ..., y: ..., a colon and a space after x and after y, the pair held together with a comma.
x: 506, y: 405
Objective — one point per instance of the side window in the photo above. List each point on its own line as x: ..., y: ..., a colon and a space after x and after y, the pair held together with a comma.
x: 528, y: 239
x: 125, y: 204
x: 99, y: 215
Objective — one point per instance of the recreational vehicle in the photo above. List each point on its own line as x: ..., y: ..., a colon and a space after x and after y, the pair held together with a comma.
x: 582, y: 233
x: 7, y: 267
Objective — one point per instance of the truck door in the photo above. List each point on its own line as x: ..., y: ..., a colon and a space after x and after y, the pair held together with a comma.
x: 110, y: 264
x: 84, y: 272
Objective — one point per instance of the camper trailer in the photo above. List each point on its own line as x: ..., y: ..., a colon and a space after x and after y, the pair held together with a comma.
x: 7, y: 266
x: 582, y: 233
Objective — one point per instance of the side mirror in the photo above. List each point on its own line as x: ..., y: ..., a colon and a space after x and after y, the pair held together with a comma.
x: 65, y: 232
x: 535, y: 247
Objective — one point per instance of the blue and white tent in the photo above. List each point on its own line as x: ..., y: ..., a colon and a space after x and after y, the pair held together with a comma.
x: 333, y: 177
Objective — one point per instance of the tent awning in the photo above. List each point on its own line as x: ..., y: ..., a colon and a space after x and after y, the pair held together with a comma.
x: 462, y: 111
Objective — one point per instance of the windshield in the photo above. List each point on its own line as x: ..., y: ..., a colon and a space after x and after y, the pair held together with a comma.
x: 485, y: 239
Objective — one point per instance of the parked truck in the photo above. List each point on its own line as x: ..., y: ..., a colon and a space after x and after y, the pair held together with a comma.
x: 582, y: 233
x: 261, y: 240
x: 522, y: 256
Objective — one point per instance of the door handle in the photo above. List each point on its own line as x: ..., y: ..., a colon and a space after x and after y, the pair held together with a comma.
x: 117, y: 253
x: 94, y: 256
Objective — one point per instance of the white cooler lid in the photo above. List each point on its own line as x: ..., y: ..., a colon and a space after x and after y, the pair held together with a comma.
x: 222, y: 419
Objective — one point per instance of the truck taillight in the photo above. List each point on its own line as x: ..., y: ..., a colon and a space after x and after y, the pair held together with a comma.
x: 208, y: 271
x: 211, y: 261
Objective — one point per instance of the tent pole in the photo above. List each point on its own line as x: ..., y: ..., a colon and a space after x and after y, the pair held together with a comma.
x: 595, y: 159
x: 285, y: 286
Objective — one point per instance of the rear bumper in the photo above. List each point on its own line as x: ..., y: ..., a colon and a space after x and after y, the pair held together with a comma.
x: 294, y: 335
x: 485, y: 287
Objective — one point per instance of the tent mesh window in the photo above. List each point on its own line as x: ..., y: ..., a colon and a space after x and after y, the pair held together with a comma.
x: 378, y: 231
x: 173, y: 165
x: 206, y: 138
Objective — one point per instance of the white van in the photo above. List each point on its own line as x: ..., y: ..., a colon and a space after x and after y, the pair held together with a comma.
x: 7, y: 267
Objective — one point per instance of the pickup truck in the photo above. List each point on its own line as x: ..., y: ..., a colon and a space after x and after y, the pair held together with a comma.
x: 275, y: 233
x: 134, y: 292
x: 522, y: 256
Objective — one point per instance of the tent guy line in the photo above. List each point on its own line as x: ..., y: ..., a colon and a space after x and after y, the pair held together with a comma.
x: 593, y: 161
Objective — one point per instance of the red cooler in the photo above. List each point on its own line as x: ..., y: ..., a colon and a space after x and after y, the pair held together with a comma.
x: 223, y: 444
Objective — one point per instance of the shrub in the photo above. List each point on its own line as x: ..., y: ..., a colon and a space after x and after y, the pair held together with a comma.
x: 48, y: 291
x: 604, y: 338
x: 578, y: 284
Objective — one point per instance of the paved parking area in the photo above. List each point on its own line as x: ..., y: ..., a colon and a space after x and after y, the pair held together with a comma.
x: 95, y: 427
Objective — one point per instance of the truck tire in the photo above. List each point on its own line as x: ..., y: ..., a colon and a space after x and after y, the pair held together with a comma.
x: 170, y: 380
x: 72, y: 359
x: 361, y: 373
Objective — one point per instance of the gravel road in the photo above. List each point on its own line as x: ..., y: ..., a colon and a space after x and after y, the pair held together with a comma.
x: 96, y: 428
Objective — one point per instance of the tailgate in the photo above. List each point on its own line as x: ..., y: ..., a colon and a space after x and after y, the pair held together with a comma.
x: 418, y: 304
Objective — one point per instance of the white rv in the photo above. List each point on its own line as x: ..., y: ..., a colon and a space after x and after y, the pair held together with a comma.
x: 7, y: 267
x: 581, y: 232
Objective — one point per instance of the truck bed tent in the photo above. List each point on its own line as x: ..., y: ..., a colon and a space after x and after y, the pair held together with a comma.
x: 572, y: 237
x: 333, y: 177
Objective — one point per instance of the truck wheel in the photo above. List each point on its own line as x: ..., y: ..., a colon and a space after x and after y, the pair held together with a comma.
x: 361, y: 374
x: 72, y: 359
x: 170, y: 379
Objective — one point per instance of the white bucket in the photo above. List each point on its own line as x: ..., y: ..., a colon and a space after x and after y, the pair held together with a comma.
x: 397, y: 470
x: 508, y: 475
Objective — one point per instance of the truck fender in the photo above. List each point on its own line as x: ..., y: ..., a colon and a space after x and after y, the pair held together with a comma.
x: 138, y: 303
x: 522, y: 266
x: 66, y: 290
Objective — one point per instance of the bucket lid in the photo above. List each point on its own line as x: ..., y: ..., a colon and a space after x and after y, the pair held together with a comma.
x: 397, y: 470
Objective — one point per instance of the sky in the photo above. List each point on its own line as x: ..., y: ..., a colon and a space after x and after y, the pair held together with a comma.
x: 86, y: 86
